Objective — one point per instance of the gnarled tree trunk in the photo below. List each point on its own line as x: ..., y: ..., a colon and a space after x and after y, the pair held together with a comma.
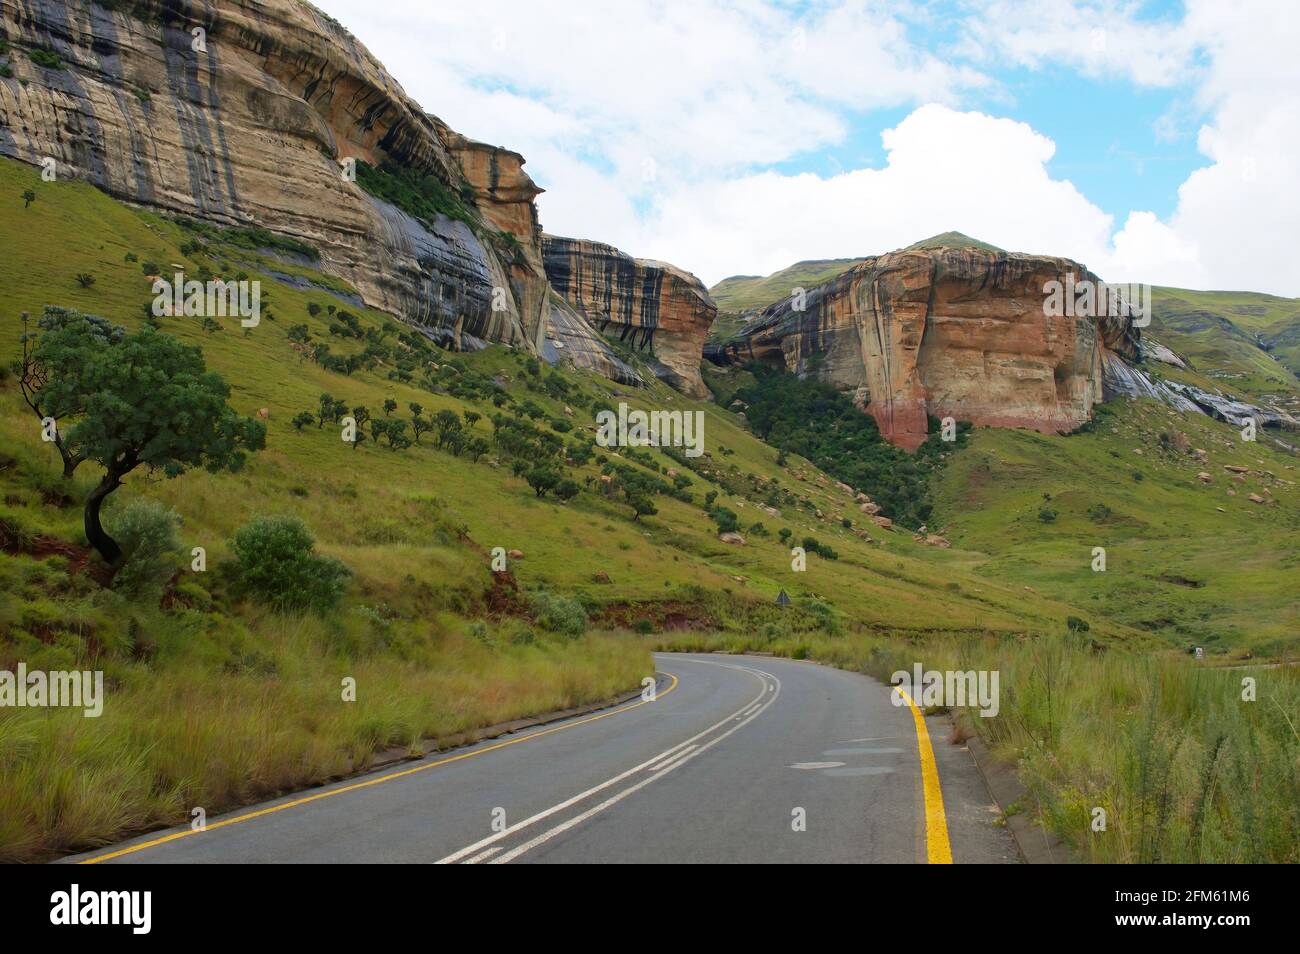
x: 95, y: 532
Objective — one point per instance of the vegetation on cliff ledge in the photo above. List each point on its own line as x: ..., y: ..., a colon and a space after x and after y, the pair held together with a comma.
x: 418, y: 194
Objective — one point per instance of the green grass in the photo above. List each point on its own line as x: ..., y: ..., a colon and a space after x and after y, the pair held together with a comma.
x: 952, y: 240
x: 741, y: 292
x: 1186, y: 560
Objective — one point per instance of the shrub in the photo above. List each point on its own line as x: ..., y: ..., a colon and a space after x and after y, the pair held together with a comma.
x: 1047, y: 514
x: 726, y: 520
x: 1076, y: 625
x: 147, y: 533
x: 46, y: 58
x: 1099, y: 512
x: 277, y: 564
x: 813, y: 545
x: 558, y: 614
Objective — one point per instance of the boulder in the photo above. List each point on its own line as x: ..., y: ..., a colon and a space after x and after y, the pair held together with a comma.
x: 732, y: 537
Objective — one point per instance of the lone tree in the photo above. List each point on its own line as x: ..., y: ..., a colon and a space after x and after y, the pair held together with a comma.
x: 146, y: 401
x: 28, y: 197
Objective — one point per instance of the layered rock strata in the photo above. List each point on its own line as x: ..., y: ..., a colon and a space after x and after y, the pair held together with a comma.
x: 653, y: 307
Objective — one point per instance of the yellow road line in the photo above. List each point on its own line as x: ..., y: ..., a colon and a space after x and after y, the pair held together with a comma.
x: 372, y: 781
x: 938, y: 850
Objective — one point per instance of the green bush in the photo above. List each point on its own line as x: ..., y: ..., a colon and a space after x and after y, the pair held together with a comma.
x: 726, y: 520
x: 148, y: 534
x: 277, y: 564
x: 558, y: 614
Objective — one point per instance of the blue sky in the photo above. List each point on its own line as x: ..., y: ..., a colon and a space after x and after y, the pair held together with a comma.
x: 1152, y: 141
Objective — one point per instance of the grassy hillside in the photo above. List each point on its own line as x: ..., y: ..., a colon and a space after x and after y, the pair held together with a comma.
x: 1196, y: 563
x: 436, y: 642
x: 741, y: 292
x: 952, y: 240
x: 1245, y: 343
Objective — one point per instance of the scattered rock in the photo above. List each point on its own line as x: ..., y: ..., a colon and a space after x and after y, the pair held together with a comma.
x: 733, y: 538
x: 883, y: 522
x: 263, y: 413
x: 515, y: 554
x: 1204, y: 478
x: 600, y: 577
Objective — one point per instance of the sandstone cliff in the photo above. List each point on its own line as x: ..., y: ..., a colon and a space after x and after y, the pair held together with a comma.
x: 946, y: 331
x: 251, y: 129
x: 653, y: 306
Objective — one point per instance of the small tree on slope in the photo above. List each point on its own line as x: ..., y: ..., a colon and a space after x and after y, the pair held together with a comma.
x: 148, y: 401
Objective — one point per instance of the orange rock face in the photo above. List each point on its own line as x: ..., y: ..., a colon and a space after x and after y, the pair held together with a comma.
x: 958, y: 332
x: 653, y: 306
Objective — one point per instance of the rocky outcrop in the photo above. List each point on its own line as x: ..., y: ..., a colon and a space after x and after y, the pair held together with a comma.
x: 570, y: 339
x: 945, y: 331
x: 654, y: 307
x: 250, y: 129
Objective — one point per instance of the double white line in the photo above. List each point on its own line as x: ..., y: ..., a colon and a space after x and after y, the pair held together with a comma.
x: 657, y: 767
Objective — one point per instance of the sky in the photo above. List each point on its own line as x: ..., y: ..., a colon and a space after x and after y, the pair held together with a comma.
x: 1154, y: 142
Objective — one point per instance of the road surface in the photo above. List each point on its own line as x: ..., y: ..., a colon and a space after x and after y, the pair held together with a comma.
x: 737, y: 759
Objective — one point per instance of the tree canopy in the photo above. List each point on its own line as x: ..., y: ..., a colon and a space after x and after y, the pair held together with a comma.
x: 136, y: 399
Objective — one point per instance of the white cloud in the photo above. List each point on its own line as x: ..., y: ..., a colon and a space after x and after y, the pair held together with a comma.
x: 945, y: 170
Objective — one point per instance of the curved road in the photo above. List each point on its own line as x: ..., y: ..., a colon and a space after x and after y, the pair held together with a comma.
x: 737, y: 759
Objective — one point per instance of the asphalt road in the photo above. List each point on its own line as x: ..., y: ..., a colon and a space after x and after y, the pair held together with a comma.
x: 737, y: 759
